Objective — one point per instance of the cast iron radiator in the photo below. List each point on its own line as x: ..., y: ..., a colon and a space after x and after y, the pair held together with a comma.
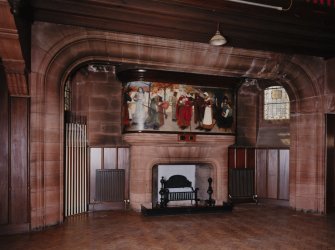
x: 241, y: 184
x: 109, y: 185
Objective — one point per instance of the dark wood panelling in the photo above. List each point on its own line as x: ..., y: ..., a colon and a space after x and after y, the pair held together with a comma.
x: 272, y: 169
x: 240, y: 158
x: 303, y: 28
x: 330, y: 161
x: 3, y: 151
x: 261, y: 173
x: 19, y: 160
x: 251, y: 157
x: 272, y: 166
x: 231, y: 157
x: 241, y: 176
x: 273, y: 173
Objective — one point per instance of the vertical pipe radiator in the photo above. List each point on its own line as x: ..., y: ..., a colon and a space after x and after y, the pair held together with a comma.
x: 75, y: 201
x: 110, y: 185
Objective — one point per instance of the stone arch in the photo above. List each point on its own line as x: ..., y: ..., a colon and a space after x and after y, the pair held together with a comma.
x: 63, y: 48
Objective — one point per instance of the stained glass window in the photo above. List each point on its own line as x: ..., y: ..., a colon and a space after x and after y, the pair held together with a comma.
x: 276, y: 103
x: 67, y: 96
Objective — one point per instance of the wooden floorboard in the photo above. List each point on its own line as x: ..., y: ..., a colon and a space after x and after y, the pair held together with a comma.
x: 248, y: 226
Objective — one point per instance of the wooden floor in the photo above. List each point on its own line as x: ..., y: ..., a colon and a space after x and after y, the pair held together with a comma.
x: 248, y: 226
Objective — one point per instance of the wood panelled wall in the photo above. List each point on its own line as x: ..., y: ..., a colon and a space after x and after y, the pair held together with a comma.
x: 14, y: 171
x: 330, y: 163
x: 272, y: 174
x: 4, y: 149
x: 271, y: 166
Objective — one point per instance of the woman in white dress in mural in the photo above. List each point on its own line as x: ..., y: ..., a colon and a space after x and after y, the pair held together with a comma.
x: 139, y: 115
x: 208, y: 122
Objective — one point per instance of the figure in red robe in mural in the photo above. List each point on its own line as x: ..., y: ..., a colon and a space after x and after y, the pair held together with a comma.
x: 184, y: 111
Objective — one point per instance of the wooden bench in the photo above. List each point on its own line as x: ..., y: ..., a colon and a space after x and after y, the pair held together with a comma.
x: 177, y: 181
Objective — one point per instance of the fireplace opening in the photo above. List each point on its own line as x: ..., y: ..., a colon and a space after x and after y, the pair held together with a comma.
x: 197, y: 174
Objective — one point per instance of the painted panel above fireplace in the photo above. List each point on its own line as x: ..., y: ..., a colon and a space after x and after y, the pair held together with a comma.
x: 162, y: 101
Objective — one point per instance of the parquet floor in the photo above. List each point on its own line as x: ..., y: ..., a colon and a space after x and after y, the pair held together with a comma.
x: 248, y: 226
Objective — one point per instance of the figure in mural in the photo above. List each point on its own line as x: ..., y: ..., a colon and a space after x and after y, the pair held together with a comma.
x: 184, y: 111
x: 225, y: 116
x: 139, y: 115
x: 193, y: 108
x: 199, y: 110
x: 219, y: 117
x: 217, y: 105
x: 161, y: 111
x: 126, y: 100
x: 208, y: 121
x: 153, y: 119
x: 173, y: 101
x: 227, y: 113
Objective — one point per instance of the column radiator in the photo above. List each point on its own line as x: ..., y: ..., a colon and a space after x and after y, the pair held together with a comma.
x: 241, y: 183
x: 110, y: 185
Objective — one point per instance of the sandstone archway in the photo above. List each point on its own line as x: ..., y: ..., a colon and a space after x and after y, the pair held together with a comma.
x: 58, y: 49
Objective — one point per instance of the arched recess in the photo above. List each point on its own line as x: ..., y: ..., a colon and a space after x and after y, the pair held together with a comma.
x: 63, y: 48
x: 266, y: 142
x: 306, y: 134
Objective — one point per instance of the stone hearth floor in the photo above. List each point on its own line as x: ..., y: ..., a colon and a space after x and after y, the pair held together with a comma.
x: 248, y: 226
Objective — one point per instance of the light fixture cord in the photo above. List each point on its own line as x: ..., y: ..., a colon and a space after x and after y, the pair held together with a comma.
x: 263, y: 5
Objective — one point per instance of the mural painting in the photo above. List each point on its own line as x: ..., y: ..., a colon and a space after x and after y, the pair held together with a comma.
x: 174, y: 107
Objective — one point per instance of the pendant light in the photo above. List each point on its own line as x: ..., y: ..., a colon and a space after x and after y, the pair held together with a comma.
x: 218, y: 39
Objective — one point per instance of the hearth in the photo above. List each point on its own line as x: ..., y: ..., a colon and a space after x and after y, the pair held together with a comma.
x: 182, y: 184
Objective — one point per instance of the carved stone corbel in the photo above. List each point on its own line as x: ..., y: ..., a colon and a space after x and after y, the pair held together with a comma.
x: 10, y: 51
x: 16, y: 77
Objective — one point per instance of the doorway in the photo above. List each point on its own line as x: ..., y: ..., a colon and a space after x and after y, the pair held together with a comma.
x: 330, y: 163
